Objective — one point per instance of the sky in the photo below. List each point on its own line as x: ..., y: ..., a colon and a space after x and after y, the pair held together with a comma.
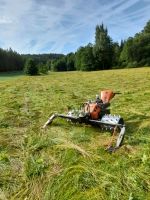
x: 62, y: 26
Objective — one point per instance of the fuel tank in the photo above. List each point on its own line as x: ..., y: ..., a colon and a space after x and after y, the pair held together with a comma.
x: 107, y: 95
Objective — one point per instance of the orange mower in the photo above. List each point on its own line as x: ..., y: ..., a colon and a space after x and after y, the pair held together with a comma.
x: 97, y: 113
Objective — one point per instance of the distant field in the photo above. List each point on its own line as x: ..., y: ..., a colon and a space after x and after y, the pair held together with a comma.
x: 10, y: 75
x: 68, y: 162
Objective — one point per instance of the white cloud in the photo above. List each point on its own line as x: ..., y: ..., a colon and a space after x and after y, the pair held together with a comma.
x: 5, y: 20
x: 34, y: 26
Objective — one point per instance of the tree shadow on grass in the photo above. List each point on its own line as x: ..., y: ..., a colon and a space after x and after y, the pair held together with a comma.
x: 136, y: 134
x: 134, y: 122
x: 10, y: 75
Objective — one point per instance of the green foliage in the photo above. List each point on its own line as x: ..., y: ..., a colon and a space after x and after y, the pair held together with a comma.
x: 43, y: 68
x: 59, y: 65
x: 103, y: 48
x: 147, y: 28
x: 78, y: 58
x: 10, y: 60
x: 126, y: 54
x: 132, y: 64
x: 66, y: 63
x: 116, y: 54
x: 42, y: 57
x: 48, y: 64
x: 136, y: 49
x: 70, y: 62
x: 84, y: 59
x: 30, y: 67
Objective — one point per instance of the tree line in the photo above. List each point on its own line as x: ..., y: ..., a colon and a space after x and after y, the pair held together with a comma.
x: 10, y: 60
x: 103, y: 54
x: 106, y: 54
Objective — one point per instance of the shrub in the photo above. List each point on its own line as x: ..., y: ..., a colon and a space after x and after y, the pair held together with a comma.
x: 132, y: 64
x: 135, y: 64
x: 30, y: 67
x: 43, y: 68
x: 59, y: 65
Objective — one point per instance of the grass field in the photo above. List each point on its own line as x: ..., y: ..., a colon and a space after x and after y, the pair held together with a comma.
x: 65, y: 161
x: 10, y: 75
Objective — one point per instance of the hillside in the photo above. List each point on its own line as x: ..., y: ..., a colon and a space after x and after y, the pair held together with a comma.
x: 66, y: 161
x: 42, y: 57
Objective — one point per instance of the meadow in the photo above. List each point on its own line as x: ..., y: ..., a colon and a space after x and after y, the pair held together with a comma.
x: 10, y: 75
x: 66, y: 161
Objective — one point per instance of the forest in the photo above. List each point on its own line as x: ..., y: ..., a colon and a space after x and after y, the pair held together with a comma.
x: 103, y: 54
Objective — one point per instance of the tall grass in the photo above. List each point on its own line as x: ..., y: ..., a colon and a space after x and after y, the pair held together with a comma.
x: 68, y: 161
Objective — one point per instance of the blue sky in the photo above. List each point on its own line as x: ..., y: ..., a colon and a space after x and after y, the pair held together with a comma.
x: 62, y: 26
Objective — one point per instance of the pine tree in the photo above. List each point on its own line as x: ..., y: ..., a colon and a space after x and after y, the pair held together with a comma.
x: 147, y: 28
x: 103, y: 48
x: 30, y: 67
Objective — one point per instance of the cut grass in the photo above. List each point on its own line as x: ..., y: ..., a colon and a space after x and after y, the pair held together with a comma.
x: 68, y: 161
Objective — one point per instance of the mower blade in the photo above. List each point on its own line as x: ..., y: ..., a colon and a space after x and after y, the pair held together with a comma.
x: 49, y: 121
x: 120, y: 137
x: 106, y: 123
